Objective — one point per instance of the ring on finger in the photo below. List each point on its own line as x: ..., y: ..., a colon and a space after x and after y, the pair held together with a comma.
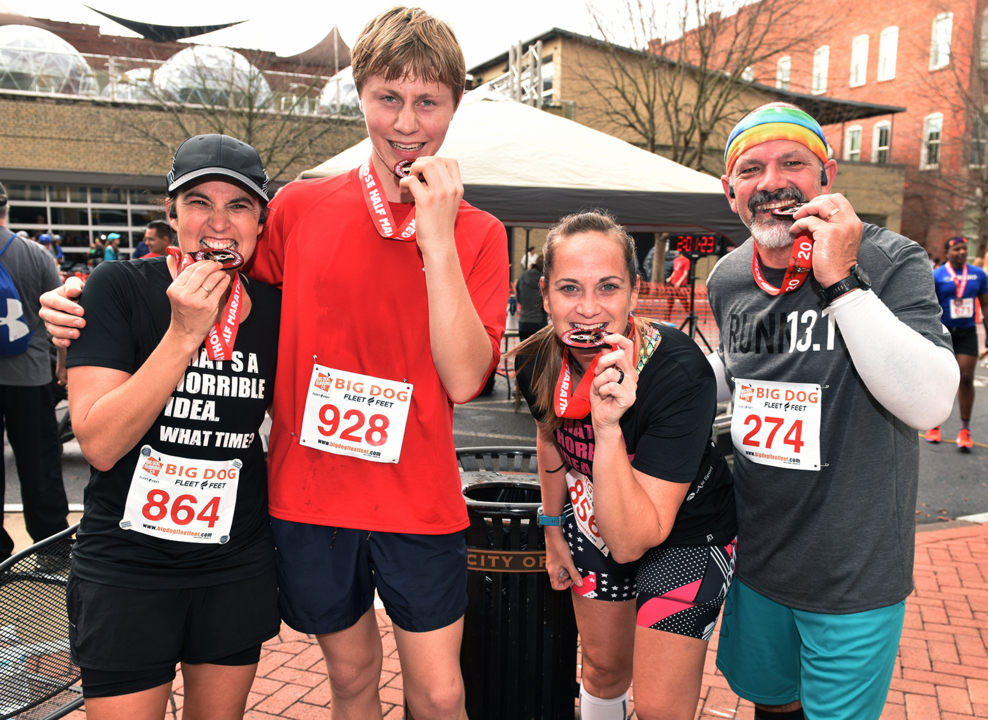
x: 620, y: 379
x: 832, y: 213
x: 208, y: 290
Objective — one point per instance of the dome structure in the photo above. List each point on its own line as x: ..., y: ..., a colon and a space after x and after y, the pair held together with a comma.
x: 339, y: 96
x: 214, y: 76
x: 132, y: 85
x: 36, y: 60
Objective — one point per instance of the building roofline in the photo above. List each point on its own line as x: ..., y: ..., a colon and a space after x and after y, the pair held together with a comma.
x: 826, y: 110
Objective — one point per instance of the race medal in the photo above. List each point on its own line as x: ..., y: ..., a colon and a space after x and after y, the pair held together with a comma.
x: 583, y: 338
x: 581, y: 498
x: 356, y: 415
x: 777, y: 423
x: 380, y: 211
x: 403, y: 168
x: 180, y: 499
x: 229, y: 259
x: 961, y: 308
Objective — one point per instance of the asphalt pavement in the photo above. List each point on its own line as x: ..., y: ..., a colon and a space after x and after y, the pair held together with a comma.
x: 952, y: 484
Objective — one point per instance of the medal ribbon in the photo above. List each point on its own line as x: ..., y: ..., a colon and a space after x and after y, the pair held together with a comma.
x: 223, y: 334
x: 959, y: 289
x: 379, y: 209
x: 800, y: 264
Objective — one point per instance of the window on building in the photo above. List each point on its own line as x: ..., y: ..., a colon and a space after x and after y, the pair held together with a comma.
x: 821, y: 62
x: 940, y: 44
x: 887, y: 48
x: 859, y: 60
x: 881, y: 142
x: 932, y: 132
x: 852, y: 144
x: 979, y: 134
x: 782, y: 69
x: 748, y: 74
x: 984, y: 40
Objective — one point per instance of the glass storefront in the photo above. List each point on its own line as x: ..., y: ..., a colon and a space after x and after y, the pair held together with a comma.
x: 79, y: 214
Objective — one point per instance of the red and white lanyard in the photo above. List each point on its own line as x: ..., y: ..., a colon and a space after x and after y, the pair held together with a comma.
x: 379, y: 209
x: 575, y: 404
x: 958, y: 288
x: 800, y: 264
x: 223, y: 334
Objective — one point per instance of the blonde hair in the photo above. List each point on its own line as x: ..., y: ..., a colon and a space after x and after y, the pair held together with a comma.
x: 544, y: 348
x: 408, y: 42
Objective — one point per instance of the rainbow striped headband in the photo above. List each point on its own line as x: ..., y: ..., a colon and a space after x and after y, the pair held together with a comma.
x: 775, y: 123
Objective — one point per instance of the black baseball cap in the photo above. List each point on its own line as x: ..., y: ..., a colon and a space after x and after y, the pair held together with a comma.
x: 218, y: 155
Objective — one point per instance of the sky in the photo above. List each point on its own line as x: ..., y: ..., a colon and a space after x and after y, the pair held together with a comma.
x: 287, y: 27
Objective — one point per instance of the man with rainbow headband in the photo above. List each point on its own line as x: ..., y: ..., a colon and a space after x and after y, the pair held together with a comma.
x: 832, y: 346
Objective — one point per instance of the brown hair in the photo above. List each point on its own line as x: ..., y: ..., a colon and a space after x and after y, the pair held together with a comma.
x: 403, y: 42
x: 544, y: 348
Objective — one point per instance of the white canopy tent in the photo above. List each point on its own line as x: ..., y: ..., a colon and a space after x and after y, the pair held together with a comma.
x: 529, y: 168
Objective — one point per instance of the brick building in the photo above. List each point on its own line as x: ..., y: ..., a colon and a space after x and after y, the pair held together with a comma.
x: 926, y: 56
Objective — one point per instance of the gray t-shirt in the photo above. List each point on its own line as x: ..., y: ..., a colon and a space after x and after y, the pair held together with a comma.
x: 840, y: 539
x: 34, y: 273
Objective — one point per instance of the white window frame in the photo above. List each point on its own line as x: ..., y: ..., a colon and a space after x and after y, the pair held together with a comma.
x: 783, y: 72
x: 859, y: 60
x: 888, y: 47
x: 876, y: 144
x: 849, y: 152
x: 940, y: 56
x: 821, y: 65
x: 983, y: 141
x: 748, y: 74
x: 928, y: 125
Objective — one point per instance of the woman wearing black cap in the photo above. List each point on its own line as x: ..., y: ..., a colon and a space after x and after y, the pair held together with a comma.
x: 169, y: 384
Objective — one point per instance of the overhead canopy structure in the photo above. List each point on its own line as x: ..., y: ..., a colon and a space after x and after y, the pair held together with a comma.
x: 165, y: 33
x: 530, y: 168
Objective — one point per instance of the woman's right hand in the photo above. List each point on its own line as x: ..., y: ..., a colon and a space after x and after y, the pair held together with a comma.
x: 559, y: 561
x: 195, y: 296
x: 62, y: 313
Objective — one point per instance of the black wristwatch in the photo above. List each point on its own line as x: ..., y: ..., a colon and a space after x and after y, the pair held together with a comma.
x: 857, y: 279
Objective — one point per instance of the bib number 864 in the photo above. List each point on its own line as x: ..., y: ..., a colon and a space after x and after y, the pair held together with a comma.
x: 792, y: 437
x: 376, y: 435
x: 182, y: 511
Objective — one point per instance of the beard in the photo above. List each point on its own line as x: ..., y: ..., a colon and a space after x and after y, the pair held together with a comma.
x: 772, y: 232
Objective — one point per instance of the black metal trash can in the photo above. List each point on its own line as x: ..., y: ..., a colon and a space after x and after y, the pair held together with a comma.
x: 519, y: 637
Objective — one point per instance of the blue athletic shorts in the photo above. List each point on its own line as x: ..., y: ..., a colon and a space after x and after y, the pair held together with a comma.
x: 327, y: 576
x: 838, y: 666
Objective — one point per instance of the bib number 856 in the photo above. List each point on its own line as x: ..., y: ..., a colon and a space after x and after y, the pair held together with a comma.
x: 182, y: 512
x: 792, y: 437
x: 581, y: 506
x: 376, y: 435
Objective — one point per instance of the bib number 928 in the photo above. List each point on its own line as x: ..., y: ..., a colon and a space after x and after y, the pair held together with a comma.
x: 375, y: 435
x: 765, y: 430
x: 182, y: 509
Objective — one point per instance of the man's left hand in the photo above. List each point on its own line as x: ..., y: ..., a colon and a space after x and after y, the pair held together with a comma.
x: 437, y: 200
x: 836, y: 231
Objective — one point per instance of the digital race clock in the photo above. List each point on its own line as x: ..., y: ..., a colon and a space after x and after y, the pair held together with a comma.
x: 697, y: 244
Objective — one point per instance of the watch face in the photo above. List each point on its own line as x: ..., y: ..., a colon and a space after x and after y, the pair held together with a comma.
x: 863, y: 279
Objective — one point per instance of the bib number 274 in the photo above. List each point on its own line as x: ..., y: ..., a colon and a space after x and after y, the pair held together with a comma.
x: 771, y: 426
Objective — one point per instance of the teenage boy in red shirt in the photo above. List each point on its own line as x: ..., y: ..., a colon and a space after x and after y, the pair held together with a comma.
x: 401, y: 317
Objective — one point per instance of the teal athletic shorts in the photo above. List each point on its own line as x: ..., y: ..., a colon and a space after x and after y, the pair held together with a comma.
x: 839, y: 666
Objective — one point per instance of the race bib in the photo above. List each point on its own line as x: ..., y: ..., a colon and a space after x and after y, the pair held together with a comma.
x: 356, y: 415
x: 179, y: 499
x: 961, y: 308
x: 777, y: 424
x: 581, y: 498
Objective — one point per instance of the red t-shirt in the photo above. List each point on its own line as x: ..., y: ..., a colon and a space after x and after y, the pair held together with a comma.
x: 357, y: 302
x: 680, y: 266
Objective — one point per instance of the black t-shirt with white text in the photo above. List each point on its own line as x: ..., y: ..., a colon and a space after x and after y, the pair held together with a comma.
x: 214, y: 414
x: 667, y: 433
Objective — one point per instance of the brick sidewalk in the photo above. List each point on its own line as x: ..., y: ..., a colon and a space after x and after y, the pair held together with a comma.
x: 941, y: 670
